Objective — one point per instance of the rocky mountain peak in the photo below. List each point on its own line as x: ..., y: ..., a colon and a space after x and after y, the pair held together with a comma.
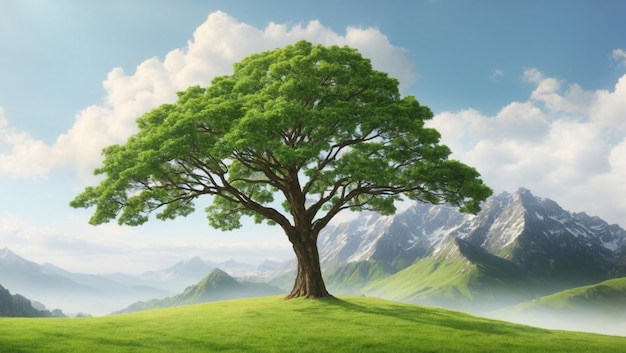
x: 534, y: 233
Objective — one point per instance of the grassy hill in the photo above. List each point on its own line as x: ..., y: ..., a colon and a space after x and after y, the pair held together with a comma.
x: 608, y: 297
x: 217, y: 285
x: 598, y: 307
x: 270, y: 324
x: 462, y: 276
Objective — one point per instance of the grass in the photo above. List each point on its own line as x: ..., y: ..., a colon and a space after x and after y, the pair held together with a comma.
x: 270, y: 324
x: 462, y: 276
x: 429, y: 277
x: 608, y: 298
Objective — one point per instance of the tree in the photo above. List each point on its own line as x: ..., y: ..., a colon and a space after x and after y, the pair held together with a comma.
x: 312, y: 127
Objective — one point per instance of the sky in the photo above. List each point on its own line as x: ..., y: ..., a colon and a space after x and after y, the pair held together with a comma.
x: 531, y: 93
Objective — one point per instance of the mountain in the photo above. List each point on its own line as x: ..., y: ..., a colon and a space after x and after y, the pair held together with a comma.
x: 217, y: 285
x: 71, y: 292
x: 178, y: 276
x: 18, y: 306
x: 186, y: 273
x: 599, y: 307
x: 102, y: 294
x: 518, y: 247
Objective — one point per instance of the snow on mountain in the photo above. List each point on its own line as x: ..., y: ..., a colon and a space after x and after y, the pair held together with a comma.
x: 523, y: 228
x: 413, y: 233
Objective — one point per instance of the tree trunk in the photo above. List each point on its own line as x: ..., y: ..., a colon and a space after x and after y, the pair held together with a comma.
x: 309, y: 282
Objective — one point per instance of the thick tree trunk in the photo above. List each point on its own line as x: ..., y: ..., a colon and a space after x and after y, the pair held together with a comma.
x: 309, y: 282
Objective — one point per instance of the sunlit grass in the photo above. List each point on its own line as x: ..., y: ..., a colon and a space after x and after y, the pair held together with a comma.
x: 271, y: 324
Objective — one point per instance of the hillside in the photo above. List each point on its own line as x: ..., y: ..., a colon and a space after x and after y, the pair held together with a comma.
x: 100, y: 294
x: 217, y: 285
x: 71, y: 292
x: 271, y: 324
x: 520, y: 246
x: 599, y: 307
x: 15, y: 305
x: 462, y: 276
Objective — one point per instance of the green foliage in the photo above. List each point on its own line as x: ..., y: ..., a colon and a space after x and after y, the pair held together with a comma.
x: 314, y: 125
x: 273, y: 325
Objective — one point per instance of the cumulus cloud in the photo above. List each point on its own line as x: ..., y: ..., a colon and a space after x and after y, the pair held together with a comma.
x: 21, y: 154
x: 216, y: 44
x: 563, y: 142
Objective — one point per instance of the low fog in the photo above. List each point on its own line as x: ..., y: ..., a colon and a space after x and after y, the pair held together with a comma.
x: 593, y: 322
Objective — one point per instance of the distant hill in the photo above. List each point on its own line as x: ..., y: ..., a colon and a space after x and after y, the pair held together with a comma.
x: 218, y: 285
x: 18, y: 306
x: 89, y: 294
x: 607, y: 297
x: 74, y: 293
x: 599, y: 307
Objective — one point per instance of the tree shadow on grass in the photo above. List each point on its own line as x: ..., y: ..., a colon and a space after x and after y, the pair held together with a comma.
x: 430, y: 316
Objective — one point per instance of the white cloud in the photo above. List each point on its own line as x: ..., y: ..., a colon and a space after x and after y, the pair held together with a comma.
x: 565, y: 144
x: 217, y: 43
x: 620, y: 55
x: 574, y: 101
x: 533, y: 75
x: 20, y: 153
x: 608, y: 109
x: 495, y: 74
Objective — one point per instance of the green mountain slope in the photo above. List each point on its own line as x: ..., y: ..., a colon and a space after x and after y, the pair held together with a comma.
x: 608, y: 297
x: 462, y: 276
x: 272, y: 324
x: 17, y: 306
x: 350, y: 278
x: 596, y: 308
x: 218, y: 285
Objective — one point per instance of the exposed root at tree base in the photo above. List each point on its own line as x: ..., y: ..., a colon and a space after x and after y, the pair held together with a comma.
x: 309, y: 296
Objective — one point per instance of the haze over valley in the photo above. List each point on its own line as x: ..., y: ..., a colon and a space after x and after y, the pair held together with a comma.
x: 212, y: 141
x: 518, y: 249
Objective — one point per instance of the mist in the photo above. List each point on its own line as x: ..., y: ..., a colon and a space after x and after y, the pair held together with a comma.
x: 593, y: 322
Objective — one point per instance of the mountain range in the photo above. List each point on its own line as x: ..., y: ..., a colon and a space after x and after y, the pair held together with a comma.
x: 80, y: 294
x: 217, y: 285
x: 519, y: 248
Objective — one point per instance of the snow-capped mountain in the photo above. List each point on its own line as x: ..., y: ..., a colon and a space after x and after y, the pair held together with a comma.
x: 413, y: 233
x: 534, y: 233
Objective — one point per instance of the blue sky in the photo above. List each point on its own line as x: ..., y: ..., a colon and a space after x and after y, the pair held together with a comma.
x: 531, y: 93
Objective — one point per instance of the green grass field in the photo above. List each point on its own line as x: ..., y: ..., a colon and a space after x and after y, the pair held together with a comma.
x: 271, y: 324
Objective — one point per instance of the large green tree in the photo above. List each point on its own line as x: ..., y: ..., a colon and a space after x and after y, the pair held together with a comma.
x: 313, y: 128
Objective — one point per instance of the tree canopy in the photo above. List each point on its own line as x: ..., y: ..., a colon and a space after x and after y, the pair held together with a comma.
x: 293, y: 137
